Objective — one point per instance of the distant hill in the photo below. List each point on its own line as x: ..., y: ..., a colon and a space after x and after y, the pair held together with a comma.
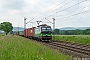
x: 64, y: 28
x: 74, y: 28
x: 18, y: 28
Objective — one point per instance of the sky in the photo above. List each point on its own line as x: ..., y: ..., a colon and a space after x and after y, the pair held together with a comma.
x: 67, y: 13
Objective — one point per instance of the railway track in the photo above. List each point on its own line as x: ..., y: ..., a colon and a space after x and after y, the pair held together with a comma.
x: 74, y: 49
x: 69, y: 48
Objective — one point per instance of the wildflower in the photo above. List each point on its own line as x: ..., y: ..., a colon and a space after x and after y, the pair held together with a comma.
x: 37, y: 55
x: 42, y: 59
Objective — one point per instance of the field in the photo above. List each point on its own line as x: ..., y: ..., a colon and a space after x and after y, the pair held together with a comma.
x: 83, y: 39
x: 1, y: 34
x: 19, y: 48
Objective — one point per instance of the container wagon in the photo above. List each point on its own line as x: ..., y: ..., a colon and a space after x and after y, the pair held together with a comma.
x: 21, y: 33
x: 26, y: 33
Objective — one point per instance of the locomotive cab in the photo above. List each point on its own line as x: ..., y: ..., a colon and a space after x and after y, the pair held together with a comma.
x: 46, y: 33
x: 43, y: 33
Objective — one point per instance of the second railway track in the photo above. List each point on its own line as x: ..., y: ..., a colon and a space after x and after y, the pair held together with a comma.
x: 74, y: 49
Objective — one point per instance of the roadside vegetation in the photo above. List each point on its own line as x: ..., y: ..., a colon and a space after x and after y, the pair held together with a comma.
x: 19, y: 48
x: 83, y: 39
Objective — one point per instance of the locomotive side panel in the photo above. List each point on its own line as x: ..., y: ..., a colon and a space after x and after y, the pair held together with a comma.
x: 37, y: 32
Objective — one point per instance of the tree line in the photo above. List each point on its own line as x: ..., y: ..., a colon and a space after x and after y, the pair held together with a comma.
x: 72, y: 32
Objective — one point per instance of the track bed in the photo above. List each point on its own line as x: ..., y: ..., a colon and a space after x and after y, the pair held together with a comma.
x: 74, y: 49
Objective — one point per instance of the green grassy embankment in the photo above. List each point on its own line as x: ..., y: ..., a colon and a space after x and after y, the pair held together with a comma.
x: 83, y: 39
x: 19, y: 48
x: 2, y: 34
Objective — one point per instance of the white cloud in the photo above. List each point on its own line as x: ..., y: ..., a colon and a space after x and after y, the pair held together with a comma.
x: 15, y: 11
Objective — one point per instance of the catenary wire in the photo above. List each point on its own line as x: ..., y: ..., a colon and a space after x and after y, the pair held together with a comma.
x: 67, y: 8
x: 51, y: 8
x: 63, y: 5
x: 73, y: 15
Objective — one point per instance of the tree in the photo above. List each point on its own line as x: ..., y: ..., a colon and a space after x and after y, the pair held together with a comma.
x: 57, y: 31
x: 86, y: 32
x: 6, y: 27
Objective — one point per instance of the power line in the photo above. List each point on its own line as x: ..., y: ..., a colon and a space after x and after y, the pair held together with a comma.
x: 30, y: 21
x: 57, y: 8
x: 73, y: 14
x: 62, y: 6
x: 84, y: 8
x: 80, y: 10
x: 58, y: 5
x: 63, y: 9
x: 48, y: 20
x: 52, y: 8
x: 68, y: 8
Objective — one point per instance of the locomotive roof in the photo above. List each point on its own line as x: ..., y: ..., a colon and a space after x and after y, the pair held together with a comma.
x: 42, y: 25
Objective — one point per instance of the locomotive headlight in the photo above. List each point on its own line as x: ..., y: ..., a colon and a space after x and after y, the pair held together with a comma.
x: 43, y: 34
x: 49, y: 34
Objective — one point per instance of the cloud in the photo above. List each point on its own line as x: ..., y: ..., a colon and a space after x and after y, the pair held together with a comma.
x: 14, y: 4
x: 15, y: 11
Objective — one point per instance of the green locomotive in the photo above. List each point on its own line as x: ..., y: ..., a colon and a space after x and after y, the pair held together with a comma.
x: 43, y: 33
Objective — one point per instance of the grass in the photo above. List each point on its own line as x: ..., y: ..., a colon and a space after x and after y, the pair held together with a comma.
x: 83, y: 39
x: 2, y: 34
x: 19, y: 48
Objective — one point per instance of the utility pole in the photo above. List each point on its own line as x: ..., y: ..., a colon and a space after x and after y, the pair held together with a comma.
x: 38, y: 22
x: 53, y: 23
x: 54, y: 27
x: 25, y: 23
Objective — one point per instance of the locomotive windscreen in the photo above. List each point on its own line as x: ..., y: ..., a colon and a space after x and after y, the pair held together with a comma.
x: 46, y: 28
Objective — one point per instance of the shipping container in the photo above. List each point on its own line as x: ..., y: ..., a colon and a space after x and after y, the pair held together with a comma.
x: 21, y: 33
x: 32, y: 31
x: 26, y: 33
x: 29, y: 32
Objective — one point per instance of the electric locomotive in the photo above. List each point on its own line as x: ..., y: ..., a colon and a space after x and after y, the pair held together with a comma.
x: 43, y: 32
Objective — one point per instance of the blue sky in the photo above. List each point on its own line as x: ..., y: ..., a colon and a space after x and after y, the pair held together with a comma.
x: 14, y: 11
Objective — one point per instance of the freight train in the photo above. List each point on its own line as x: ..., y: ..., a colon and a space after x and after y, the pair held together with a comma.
x: 42, y: 33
